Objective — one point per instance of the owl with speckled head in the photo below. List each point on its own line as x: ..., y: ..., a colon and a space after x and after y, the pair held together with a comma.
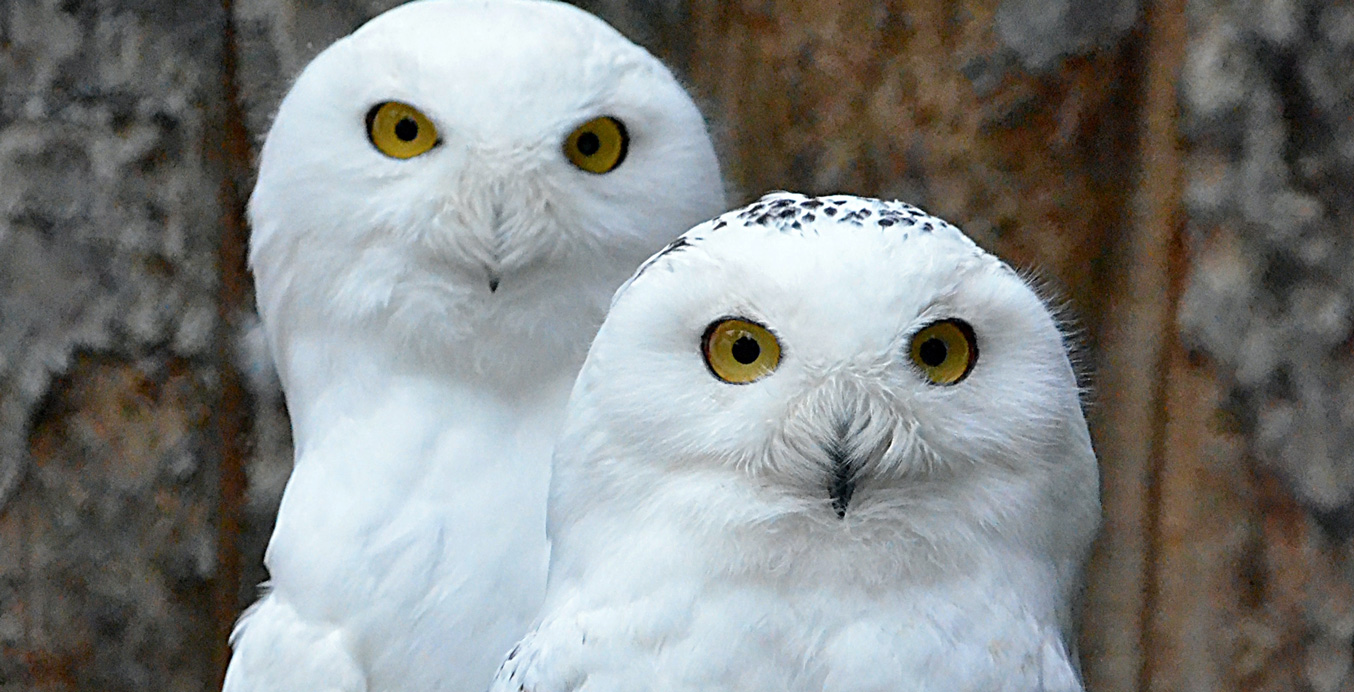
x: 820, y: 443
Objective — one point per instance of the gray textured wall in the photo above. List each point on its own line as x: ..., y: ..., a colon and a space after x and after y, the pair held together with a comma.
x: 1268, y: 96
x: 1180, y: 168
x: 108, y: 236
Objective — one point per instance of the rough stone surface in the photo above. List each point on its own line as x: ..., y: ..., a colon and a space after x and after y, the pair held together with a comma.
x: 1041, y: 32
x: 1268, y: 100
x: 110, y: 585
x: 1269, y: 97
x: 108, y: 229
x: 105, y: 190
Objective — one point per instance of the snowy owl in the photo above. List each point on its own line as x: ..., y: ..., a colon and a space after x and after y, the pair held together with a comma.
x: 818, y: 444
x: 446, y: 202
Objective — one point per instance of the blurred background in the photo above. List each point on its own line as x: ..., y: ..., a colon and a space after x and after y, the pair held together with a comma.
x: 1177, y: 170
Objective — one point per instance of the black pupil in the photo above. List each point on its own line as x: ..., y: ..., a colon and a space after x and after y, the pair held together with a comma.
x: 745, y: 350
x: 588, y: 144
x: 933, y: 352
x: 406, y: 129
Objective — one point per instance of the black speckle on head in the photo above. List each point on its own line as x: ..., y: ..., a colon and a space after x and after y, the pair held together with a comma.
x: 798, y: 215
x: 853, y: 216
x: 674, y: 246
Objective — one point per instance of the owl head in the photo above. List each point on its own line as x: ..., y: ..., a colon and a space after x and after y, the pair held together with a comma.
x: 834, y: 371
x: 471, y: 180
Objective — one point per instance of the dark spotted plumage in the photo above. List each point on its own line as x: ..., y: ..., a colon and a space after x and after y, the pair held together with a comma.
x: 674, y: 246
x: 789, y: 212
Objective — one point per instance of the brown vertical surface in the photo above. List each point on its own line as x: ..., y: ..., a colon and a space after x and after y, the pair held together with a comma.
x: 1121, y: 650
x: 1199, y: 594
x: 1185, y: 577
x: 916, y: 100
x: 230, y: 414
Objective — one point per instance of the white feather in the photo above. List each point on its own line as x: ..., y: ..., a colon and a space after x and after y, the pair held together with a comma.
x: 410, y: 549
x: 695, y: 543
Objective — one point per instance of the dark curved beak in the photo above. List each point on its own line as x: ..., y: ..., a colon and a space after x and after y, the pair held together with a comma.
x: 842, y: 484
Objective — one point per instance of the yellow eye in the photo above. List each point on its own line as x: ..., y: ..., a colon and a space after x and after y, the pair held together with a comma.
x: 399, y: 130
x: 739, y: 351
x: 597, y: 146
x: 945, y: 351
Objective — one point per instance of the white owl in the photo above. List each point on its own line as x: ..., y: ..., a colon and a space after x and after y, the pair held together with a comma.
x: 445, y: 204
x: 819, y: 444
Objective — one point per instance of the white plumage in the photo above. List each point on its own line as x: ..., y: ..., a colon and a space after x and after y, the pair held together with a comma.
x: 446, y: 202
x: 902, y: 501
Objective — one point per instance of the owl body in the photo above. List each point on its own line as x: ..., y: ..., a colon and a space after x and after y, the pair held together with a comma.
x: 428, y: 282
x: 702, y: 626
x: 880, y: 480
x: 421, y: 564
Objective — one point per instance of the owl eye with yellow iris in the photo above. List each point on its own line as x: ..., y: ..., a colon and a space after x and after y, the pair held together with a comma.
x: 399, y: 130
x: 597, y: 146
x: 945, y: 351
x: 738, y: 351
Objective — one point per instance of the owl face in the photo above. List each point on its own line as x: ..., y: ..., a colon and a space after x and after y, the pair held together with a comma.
x: 455, y: 169
x: 846, y: 360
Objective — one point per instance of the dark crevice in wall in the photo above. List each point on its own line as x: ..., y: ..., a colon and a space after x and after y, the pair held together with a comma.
x: 1108, y: 151
x: 231, y: 413
x: 1160, y: 175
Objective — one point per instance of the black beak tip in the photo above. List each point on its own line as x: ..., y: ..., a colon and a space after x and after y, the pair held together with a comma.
x: 841, y: 499
x: 842, y: 489
x: 493, y: 284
